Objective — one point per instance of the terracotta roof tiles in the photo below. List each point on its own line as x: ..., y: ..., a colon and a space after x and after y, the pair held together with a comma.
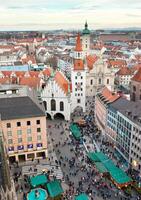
x: 62, y: 82
x: 78, y: 44
x: 137, y: 76
x: 78, y: 64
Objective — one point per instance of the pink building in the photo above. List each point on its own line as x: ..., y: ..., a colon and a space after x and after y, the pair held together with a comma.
x: 23, y: 123
x: 103, y: 98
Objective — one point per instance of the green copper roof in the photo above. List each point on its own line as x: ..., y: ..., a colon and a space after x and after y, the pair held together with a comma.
x: 86, y: 31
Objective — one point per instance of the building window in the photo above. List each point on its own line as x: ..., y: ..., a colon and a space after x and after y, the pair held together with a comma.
x: 29, y: 139
x: 18, y: 123
x: 20, y: 140
x: 28, y: 123
x: 78, y: 54
x: 19, y: 132
x: 38, y: 130
x: 29, y: 131
x: 8, y: 125
x: 10, y: 141
x: 39, y: 137
x: 91, y: 82
x: 81, y: 89
x: 53, y: 105
x: 76, y: 89
x: 9, y: 133
x: 134, y: 88
x: 78, y: 101
x: 38, y: 121
x: 107, y: 81
x: 61, y: 106
x: 86, y: 46
x: 99, y: 81
x: 45, y: 105
x: 81, y: 77
x: 76, y: 77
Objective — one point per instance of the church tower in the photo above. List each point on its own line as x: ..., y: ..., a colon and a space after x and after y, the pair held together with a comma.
x: 86, y: 39
x: 78, y: 77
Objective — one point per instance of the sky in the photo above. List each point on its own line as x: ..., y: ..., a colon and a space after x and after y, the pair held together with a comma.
x: 69, y: 14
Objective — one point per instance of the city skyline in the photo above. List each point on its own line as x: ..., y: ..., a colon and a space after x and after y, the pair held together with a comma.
x: 70, y: 14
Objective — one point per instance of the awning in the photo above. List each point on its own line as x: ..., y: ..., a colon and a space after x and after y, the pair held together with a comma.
x: 40, y: 179
x: 37, y: 194
x: 100, y: 167
x: 75, y: 131
x: 54, y: 188
x: 82, y: 197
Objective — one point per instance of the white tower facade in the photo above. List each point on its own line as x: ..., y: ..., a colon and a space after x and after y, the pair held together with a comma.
x: 78, y: 78
x: 86, y: 40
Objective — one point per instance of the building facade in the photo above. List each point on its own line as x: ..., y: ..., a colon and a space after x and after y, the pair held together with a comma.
x: 24, y: 127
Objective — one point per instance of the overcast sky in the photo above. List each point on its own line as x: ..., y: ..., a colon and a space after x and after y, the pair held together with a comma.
x: 54, y: 14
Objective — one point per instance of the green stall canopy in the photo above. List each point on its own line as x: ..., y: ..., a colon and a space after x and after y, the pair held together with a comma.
x: 82, y: 197
x: 54, y: 188
x: 40, y: 179
x: 75, y: 131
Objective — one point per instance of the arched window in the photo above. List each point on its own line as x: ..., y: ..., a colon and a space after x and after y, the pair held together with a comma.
x: 53, y: 105
x: 61, y: 106
x: 45, y: 105
x: 91, y: 81
x: 78, y: 55
x: 99, y: 81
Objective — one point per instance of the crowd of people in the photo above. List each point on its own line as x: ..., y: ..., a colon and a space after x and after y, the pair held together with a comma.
x: 79, y: 174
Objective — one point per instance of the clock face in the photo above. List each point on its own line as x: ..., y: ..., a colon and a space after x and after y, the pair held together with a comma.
x: 78, y: 74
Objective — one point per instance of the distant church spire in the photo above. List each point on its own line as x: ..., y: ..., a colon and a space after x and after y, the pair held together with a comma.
x: 86, y: 25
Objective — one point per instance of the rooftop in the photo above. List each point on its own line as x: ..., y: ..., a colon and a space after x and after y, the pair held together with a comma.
x: 19, y: 107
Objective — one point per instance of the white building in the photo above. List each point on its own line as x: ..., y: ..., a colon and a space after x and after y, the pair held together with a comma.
x: 56, y: 96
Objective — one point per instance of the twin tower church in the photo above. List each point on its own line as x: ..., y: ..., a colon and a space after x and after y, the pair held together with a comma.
x: 89, y: 73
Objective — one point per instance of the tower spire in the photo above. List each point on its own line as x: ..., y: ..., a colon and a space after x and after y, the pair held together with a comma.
x: 86, y: 25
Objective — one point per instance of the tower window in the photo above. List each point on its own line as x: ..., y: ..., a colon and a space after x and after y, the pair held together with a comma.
x: 91, y: 82
x: 86, y: 46
x: 99, y: 81
x: 107, y: 81
x: 78, y: 101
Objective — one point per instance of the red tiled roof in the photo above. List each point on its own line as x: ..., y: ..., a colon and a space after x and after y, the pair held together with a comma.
x: 34, y: 73
x: 78, y: 44
x: 47, y: 72
x: 124, y: 71
x: 32, y: 82
x: 29, y: 58
x: 117, y: 63
x: 4, y: 80
x: 61, y: 81
x: 108, y: 95
x: 19, y: 73
x: 78, y: 64
x: 7, y: 73
x: 137, y: 76
x: 91, y: 60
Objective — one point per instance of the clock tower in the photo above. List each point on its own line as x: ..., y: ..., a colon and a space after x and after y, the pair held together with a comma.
x: 78, y: 77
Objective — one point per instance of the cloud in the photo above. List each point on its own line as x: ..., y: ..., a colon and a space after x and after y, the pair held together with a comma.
x: 69, y: 13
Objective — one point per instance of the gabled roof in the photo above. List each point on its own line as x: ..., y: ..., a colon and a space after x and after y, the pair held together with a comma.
x: 78, y: 64
x: 78, y: 44
x: 125, y: 71
x: 91, y: 59
x: 108, y: 95
x: 62, y: 82
x: 32, y: 82
x: 137, y: 76
x: 47, y: 72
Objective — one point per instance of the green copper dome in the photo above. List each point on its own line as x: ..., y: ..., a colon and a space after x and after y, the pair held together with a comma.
x: 86, y: 30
